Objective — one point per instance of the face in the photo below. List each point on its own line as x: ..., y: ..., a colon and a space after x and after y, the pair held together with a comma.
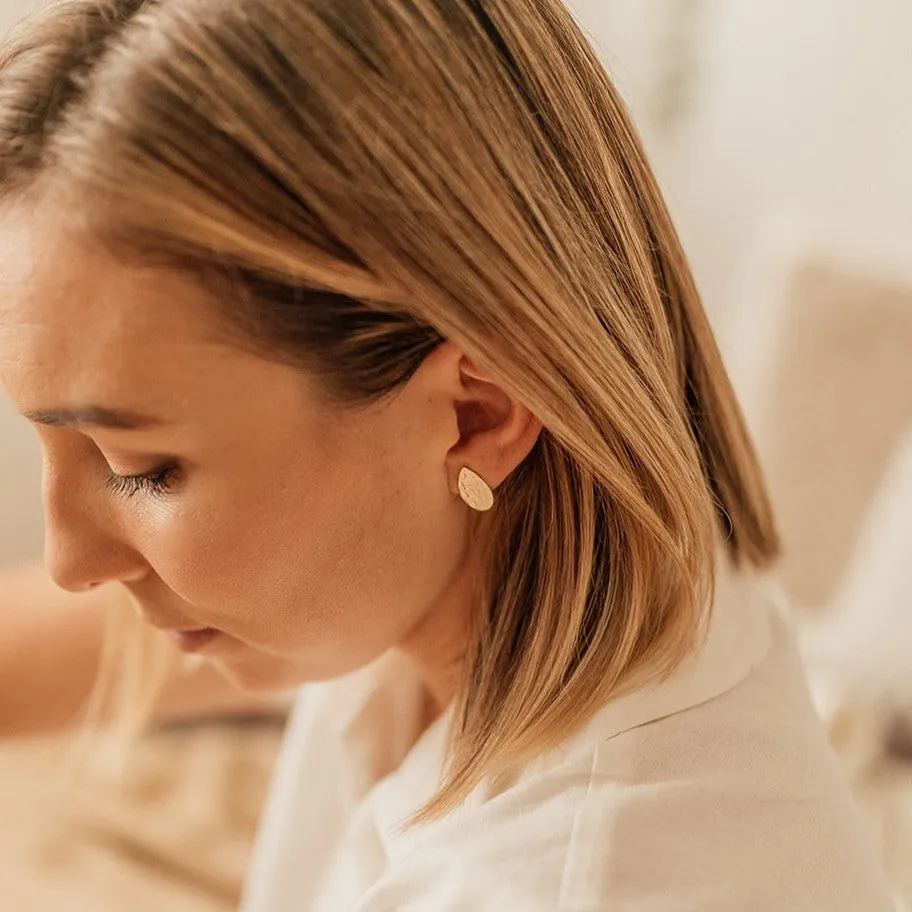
x: 235, y: 497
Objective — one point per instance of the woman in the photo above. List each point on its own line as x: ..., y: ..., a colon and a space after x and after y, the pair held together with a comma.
x: 364, y: 356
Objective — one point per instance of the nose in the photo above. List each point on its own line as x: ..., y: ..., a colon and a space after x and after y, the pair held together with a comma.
x: 83, y: 547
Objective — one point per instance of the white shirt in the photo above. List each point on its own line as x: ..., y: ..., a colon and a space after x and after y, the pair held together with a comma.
x: 713, y: 792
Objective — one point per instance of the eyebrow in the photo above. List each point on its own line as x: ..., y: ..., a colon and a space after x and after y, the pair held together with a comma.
x: 93, y: 416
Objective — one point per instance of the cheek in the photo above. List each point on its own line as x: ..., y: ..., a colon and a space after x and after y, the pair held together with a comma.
x: 342, y: 560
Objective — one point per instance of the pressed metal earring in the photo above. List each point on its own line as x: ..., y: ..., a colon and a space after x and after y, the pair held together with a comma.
x: 474, y: 490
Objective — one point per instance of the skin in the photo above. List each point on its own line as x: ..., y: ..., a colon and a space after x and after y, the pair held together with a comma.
x: 313, y: 537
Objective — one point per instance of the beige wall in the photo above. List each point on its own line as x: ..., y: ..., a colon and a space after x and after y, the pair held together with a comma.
x: 792, y: 108
x: 20, y: 517
x: 20, y: 510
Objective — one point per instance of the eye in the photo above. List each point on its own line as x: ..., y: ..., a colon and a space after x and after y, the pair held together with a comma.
x: 157, y: 482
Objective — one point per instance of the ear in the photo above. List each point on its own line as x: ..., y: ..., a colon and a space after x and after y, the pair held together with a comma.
x: 496, y: 431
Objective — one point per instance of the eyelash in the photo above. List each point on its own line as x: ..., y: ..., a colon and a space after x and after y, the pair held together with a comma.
x: 157, y: 483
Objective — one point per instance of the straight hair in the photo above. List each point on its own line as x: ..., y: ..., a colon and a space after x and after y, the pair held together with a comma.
x: 367, y: 179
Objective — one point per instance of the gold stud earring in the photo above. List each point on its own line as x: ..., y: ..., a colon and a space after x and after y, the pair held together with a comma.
x: 474, y: 490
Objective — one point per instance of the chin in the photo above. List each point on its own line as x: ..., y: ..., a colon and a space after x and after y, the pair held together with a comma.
x: 260, y: 673
x: 257, y: 672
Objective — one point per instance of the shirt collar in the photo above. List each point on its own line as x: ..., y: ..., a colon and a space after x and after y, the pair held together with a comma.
x: 383, y: 703
x: 737, y: 639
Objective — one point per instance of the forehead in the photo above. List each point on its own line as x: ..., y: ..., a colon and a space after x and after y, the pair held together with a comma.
x: 75, y: 321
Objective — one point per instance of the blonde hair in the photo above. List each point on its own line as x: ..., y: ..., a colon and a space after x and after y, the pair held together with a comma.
x: 370, y: 178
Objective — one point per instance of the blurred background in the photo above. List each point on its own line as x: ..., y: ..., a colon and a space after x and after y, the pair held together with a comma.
x: 782, y: 135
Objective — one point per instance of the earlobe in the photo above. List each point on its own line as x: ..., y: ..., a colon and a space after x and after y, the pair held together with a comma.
x: 474, y: 490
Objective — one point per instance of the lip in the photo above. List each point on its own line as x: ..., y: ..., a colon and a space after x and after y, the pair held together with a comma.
x: 192, y: 641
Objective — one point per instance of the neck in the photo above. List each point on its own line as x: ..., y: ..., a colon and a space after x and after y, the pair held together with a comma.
x: 437, y: 643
